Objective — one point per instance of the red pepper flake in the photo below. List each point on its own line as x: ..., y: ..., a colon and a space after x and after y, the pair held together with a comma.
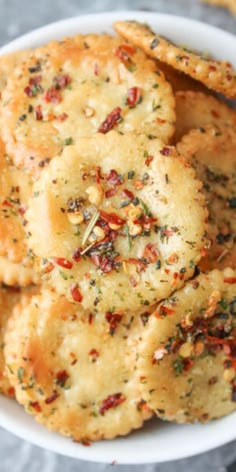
x: 165, y: 311
x: 134, y: 96
x: 61, y: 81
x: 142, y: 406
x: 230, y: 280
x: 111, y: 192
x: 11, y: 391
x: 85, y: 442
x: 113, y: 319
x: 62, y: 262
x: 62, y: 117
x: 149, y: 160
x: 48, y: 267
x: 38, y: 113
x: 75, y: 293
x: 52, y: 95
x: 111, y: 402
x: 77, y: 255
x: 7, y: 203
x: 166, y: 151
x: 111, y: 121
x: 141, y: 266
x: 90, y: 318
x: 212, y: 68
x: 36, y: 406
x: 188, y: 363
x: 35, y: 80
x: 94, y: 354
x: 128, y: 193
x: 104, y: 263
x: 52, y: 398
x: 124, y: 51
x: 150, y: 253
x: 112, y: 218
x: 215, y: 113
x: 61, y: 378
x: 113, y: 178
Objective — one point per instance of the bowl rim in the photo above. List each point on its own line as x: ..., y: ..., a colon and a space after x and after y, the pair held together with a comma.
x: 27, y: 429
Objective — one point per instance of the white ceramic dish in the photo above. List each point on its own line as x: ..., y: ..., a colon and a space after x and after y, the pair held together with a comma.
x: 158, y: 441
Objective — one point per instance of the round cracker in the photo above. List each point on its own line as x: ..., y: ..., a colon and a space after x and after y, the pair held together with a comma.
x: 73, y: 370
x: 133, y: 197
x: 77, y: 87
x: 8, y: 299
x: 211, y: 151
x: 196, y: 109
x: 229, y: 4
x: 217, y: 75
x: 186, y: 363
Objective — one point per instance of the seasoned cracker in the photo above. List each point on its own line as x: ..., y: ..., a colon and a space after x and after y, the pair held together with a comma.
x: 111, y: 217
x: 17, y: 265
x: 73, y: 370
x: 8, y: 299
x: 217, y: 75
x: 196, y: 109
x: 229, y: 4
x: 186, y: 362
x: 15, y: 189
x: 77, y: 87
x: 211, y: 151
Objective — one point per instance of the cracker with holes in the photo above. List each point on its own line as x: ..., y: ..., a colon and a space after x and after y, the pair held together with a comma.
x: 217, y: 75
x: 186, y: 364
x: 196, y: 110
x: 111, y: 217
x: 77, y: 87
x: 73, y: 369
x: 211, y: 151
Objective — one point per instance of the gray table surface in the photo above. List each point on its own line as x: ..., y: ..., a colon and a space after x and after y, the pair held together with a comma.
x: 18, y: 17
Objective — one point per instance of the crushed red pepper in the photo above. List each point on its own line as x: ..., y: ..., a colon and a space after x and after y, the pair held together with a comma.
x: 111, y: 402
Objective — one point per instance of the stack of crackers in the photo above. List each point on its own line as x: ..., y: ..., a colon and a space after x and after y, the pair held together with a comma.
x: 117, y: 233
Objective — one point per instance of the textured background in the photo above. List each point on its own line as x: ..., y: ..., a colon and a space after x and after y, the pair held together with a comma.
x: 18, y: 17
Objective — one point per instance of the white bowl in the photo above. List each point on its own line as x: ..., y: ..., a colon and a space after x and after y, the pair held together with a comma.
x: 157, y: 441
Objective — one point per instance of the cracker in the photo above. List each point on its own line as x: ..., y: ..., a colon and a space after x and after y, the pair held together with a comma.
x: 15, y: 189
x: 77, y: 87
x: 8, y: 299
x: 211, y: 151
x: 17, y: 266
x: 229, y: 4
x: 217, y: 75
x: 73, y: 370
x: 112, y: 215
x: 196, y: 109
x: 186, y: 363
